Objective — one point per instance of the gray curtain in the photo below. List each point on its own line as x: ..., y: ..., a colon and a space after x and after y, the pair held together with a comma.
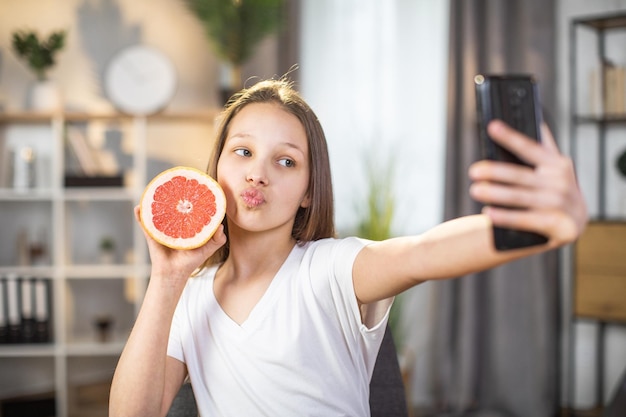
x: 496, y: 333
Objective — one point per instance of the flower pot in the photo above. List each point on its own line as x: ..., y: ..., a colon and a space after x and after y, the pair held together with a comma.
x: 229, y: 80
x: 45, y: 96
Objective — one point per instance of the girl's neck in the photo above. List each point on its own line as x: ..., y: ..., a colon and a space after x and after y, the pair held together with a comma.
x: 256, y: 254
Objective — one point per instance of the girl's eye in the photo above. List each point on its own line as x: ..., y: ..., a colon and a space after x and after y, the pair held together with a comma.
x: 243, y: 152
x: 286, y: 162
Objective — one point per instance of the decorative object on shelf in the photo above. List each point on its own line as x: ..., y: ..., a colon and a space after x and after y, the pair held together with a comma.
x: 140, y: 80
x: 235, y: 28
x: 37, y: 247
x: 103, y: 325
x: 107, y: 250
x: 39, y: 55
x: 88, y: 166
x: 620, y: 165
x: 81, y: 150
x: 23, y: 175
x: 614, y: 88
x: 31, y: 247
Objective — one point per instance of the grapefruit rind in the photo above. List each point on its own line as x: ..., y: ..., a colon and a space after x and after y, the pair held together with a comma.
x: 147, y: 218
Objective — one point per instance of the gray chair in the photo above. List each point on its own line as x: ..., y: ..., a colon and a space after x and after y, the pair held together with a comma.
x: 387, y: 395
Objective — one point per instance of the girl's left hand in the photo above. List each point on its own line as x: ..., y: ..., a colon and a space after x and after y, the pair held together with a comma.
x: 547, y: 197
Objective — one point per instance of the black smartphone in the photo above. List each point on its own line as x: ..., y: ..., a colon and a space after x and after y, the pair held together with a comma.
x: 514, y: 100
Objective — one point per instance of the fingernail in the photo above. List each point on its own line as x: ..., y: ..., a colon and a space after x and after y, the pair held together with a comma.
x: 496, y: 126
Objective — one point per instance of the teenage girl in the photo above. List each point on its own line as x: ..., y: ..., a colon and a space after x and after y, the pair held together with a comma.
x: 280, y: 318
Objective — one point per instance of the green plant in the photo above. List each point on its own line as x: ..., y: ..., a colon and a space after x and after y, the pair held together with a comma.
x: 237, y: 26
x: 107, y: 243
x: 377, y: 212
x: 376, y: 217
x: 38, y: 53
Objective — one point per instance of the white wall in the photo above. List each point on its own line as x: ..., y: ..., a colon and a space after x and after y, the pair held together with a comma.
x: 583, y: 376
x: 96, y: 31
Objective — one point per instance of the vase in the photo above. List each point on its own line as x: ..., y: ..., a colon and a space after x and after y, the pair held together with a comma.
x: 229, y: 80
x: 45, y: 96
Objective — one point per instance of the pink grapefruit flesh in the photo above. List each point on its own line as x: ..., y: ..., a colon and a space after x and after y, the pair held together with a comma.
x: 182, y: 208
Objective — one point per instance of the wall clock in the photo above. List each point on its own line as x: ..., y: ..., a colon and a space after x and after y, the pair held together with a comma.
x: 140, y: 80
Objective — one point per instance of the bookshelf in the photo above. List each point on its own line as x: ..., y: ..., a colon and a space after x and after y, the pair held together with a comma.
x: 53, y: 234
x: 597, y: 137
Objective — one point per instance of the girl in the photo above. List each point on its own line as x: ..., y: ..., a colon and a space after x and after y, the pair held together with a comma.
x: 283, y: 319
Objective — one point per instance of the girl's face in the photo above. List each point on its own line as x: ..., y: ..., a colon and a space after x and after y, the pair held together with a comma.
x: 264, y: 169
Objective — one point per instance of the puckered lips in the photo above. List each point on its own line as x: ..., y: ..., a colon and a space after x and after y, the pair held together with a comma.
x: 253, y: 197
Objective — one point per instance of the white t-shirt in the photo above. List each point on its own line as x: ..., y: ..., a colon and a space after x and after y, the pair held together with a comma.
x: 303, y: 350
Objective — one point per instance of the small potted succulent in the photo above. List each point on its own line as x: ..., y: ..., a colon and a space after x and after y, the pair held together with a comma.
x: 107, y: 250
x: 39, y: 55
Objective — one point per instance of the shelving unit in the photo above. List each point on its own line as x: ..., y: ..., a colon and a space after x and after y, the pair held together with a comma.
x: 69, y: 223
x: 598, y: 126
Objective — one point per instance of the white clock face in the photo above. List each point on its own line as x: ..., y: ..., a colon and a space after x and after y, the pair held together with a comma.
x: 140, y: 80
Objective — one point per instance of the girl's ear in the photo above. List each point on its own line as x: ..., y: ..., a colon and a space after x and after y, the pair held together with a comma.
x: 306, y: 201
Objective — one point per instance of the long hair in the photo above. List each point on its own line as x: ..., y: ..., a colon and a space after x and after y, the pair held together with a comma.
x: 315, y: 221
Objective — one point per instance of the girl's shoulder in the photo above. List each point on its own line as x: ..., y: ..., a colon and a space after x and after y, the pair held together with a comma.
x: 334, y: 242
x: 333, y: 248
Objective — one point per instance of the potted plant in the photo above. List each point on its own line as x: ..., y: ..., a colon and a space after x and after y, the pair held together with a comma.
x: 235, y: 27
x: 376, y: 216
x: 107, y: 250
x: 39, y: 54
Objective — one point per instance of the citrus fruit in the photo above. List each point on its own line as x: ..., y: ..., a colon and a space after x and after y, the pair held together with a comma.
x: 182, y: 208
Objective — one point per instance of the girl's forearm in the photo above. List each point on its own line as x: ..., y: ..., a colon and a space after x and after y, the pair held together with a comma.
x: 139, y: 380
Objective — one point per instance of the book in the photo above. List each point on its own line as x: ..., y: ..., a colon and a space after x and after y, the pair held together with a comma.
x: 84, y: 153
x: 614, y: 97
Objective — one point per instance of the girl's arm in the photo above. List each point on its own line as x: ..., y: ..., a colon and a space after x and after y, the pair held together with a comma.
x: 548, y: 194
x: 146, y: 380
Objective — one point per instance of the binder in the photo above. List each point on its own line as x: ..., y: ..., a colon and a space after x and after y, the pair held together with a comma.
x: 27, y: 325
x: 25, y: 309
x: 13, y: 304
x: 42, y: 296
x: 4, y: 312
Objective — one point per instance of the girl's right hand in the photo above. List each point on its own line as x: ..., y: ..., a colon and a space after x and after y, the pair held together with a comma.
x: 176, y: 266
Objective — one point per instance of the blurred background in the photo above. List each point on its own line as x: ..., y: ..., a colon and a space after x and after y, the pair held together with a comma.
x: 391, y: 82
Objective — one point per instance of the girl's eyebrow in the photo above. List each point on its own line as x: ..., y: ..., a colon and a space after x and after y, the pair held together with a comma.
x: 296, y: 148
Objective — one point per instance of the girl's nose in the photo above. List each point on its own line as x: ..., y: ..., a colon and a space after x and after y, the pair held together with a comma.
x: 257, y: 176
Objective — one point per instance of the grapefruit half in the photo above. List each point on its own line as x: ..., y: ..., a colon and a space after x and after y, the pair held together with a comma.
x: 182, y: 208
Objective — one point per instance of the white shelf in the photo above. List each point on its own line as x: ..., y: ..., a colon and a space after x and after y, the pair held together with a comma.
x: 74, y: 220
x: 28, y: 271
x: 99, y: 194
x: 94, y: 271
x: 35, y: 194
x: 95, y: 348
x: 28, y: 350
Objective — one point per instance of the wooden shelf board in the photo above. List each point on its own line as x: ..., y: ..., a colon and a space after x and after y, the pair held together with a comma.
x: 78, y: 116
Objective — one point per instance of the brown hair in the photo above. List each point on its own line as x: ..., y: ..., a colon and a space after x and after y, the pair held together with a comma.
x: 315, y: 221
